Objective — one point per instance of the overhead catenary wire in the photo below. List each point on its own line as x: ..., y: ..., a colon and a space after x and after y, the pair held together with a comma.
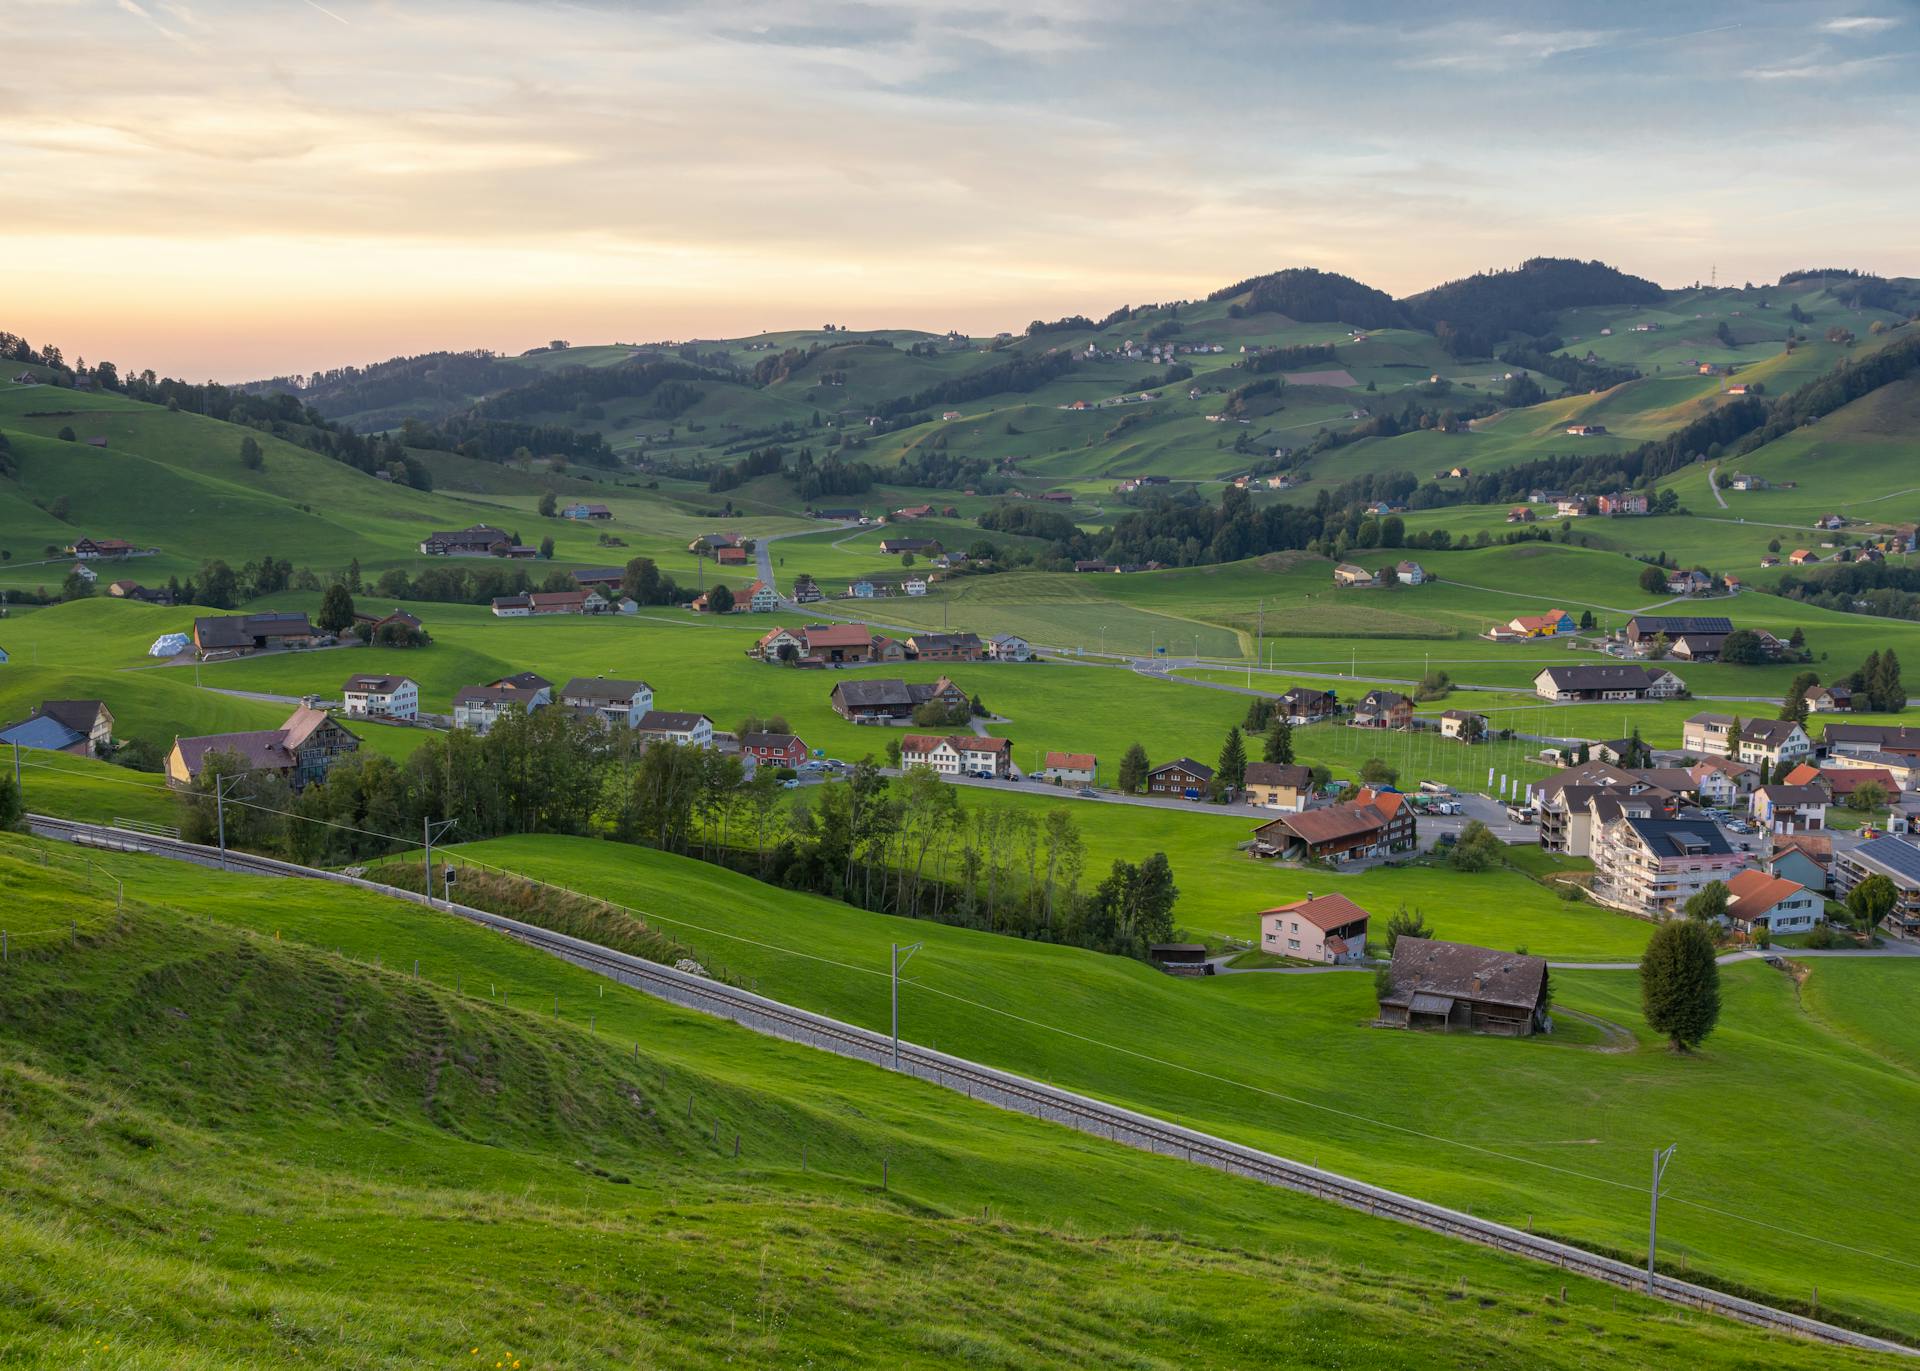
x: 1266, y: 1091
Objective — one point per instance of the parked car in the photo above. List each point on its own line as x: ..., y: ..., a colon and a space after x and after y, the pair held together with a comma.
x: 1086, y: 792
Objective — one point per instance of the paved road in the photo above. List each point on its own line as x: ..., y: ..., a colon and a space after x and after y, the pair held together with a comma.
x: 1713, y: 484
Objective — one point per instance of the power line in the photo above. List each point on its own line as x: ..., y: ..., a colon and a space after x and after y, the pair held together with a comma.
x: 1282, y: 1096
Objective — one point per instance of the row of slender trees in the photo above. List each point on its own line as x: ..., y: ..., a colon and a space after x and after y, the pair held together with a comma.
x: 906, y: 845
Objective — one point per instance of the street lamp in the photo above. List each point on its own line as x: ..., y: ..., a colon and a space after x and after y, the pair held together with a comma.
x: 1660, y: 1160
x: 898, y: 962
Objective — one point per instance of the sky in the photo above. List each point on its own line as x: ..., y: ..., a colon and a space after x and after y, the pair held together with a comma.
x: 238, y: 190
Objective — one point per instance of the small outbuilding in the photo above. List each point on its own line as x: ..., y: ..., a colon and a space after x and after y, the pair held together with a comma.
x: 1460, y: 987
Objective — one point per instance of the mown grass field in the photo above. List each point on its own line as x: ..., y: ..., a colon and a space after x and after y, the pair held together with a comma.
x: 333, y: 1162
x: 1548, y: 1129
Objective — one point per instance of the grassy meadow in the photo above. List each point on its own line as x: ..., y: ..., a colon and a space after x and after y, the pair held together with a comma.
x: 1553, y: 1130
x: 243, y: 1133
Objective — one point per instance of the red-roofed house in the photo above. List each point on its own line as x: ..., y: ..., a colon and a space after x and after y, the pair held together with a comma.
x: 1070, y: 768
x: 1756, y: 899
x: 958, y: 754
x: 839, y: 642
x: 1323, y: 928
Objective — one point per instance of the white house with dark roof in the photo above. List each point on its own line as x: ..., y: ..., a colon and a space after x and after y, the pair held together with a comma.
x: 381, y: 697
x: 620, y: 703
x: 671, y: 726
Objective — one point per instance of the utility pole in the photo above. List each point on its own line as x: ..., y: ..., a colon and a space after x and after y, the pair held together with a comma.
x: 220, y: 810
x: 1660, y: 1160
x: 429, y: 830
x: 899, y: 962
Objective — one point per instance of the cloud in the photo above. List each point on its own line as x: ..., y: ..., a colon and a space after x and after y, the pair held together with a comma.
x: 1472, y: 45
x: 1817, y: 70
x: 1861, y: 23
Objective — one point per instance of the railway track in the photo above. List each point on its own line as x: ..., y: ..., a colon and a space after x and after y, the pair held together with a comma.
x: 1014, y: 1092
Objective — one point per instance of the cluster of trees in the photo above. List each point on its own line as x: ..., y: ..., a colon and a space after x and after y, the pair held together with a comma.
x: 1314, y: 297
x: 422, y: 387
x: 507, y: 440
x: 1288, y: 358
x: 1878, y: 588
x: 670, y: 386
x: 1544, y: 355
x: 1472, y: 316
x: 1015, y: 376
x: 905, y: 845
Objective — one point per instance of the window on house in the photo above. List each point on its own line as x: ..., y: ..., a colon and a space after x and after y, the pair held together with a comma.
x: 1294, y: 943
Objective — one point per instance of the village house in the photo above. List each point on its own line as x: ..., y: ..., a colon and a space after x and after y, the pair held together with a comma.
x: 947, y: 647
x: 1722, y: 781
x: 251, y: 632
x: 775, y: 749
x: 1773, y: 741
x: 1896, y: 859
x: 1009, y: 647
x: 1830, y: 699
x: 1463, y: 724
x: 581, y: 510
x: 1607, y: 683
x: 958, y: 754
x: 760, y: 598
x: 1382, y: 709
x: 300, y: 751
x: 890, y: 699
x: 1693, y: 582
x: 86, y: 549
x: 674, y: 726
x: 477, y: 541
x: 83, y: 728
x: 805, y: 592
x: 1569, y: 815
x: 395, y: 629
x: 1756, y: 900
x: 1305, y: 705
x: 838, y: 644
x: 1349, y: 575
x: 478, y: 708
x: 768, y: 646
x: 543, y: 602
x: 1841, y: 782
x: 1800, y: 556
x: 368, y: 696
x: 1654, y: 866
x: 914, y: 585
x: 1410, y: 573
x: 1844, y: 741
x: 1520, y: 514
x: 605, y: 579
x: 1805, y: 858
x: 1456, y: 986
x: 1183, y: 777
x: 1327, y: 929
x: 1372, y: 824
x: 1622, y: 503
x: 893, y: 547
x: 619, y: 703
x: 1278, y: 785
x: 1705, y: 632
x: 863, y: 590
x: 1789, y: 808
x: 887, y: 649
x: 1070, y: 768
x: 1553, y: 623
x: 915, y: 511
